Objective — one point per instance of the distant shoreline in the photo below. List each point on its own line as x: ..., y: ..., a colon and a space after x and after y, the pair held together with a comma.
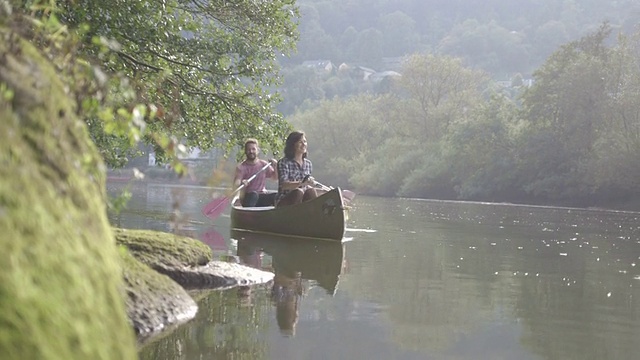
x: 167, y: 176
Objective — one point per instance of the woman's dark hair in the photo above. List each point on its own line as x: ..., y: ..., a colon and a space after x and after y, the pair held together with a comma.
x: 290, y: 145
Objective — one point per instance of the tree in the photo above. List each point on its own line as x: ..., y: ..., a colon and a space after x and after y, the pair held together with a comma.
x: 315, y: 43
x: 301, y: 83
x: 488, y: 46
x: 399, y: 34
x: 348, y: 43
x: 482, y: 152
x: 566, y: 108
x: 344, y: 134
x: 548, y: 37
x: 615, y: 164
x: 208, y: 66
x: 440, y: 91
x: 368, y: 48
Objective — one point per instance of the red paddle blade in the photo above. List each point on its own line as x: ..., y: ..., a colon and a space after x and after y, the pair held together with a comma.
x: 215, y: 207
x: 214, y: 239
x: 348, y: 195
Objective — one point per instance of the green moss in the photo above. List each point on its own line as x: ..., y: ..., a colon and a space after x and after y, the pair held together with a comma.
x: 158, y: 248
x: 60, y: 273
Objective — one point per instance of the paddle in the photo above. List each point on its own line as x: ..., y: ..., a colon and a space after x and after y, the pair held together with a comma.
x: 216, y: 206
x: 346, y: 194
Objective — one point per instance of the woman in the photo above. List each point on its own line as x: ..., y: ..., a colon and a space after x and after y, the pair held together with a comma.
x: 295, y: 183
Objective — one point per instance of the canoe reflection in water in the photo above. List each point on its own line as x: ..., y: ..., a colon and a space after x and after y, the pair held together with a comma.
x: 298, y: 264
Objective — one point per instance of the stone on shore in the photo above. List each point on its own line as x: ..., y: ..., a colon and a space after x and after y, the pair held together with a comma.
x: 156, y: 262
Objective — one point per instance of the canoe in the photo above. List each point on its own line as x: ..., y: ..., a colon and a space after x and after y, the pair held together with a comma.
x: 311, y: 259
x: 321, y: 218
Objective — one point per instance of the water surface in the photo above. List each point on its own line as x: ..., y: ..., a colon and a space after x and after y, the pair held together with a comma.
x: 417, y: 280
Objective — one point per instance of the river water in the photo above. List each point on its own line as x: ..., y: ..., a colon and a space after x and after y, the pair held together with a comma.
x: 416, y: 279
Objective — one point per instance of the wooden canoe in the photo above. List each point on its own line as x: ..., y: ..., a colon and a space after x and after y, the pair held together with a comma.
x: 321, y: 218
x: 311, y: 259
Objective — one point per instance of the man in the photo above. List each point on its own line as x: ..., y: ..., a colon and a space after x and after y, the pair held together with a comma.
x: 255, y: 193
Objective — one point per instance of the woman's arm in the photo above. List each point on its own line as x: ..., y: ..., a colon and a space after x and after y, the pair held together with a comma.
x: 290, y: 185
x: 287, y: 176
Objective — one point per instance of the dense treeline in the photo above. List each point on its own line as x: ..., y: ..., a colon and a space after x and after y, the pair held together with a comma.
x: 443, y: 130
x: 508, y: 40
x: 499, y: 36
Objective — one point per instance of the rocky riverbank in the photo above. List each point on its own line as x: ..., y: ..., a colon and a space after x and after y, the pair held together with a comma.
x: 159, y: 268
x: 67, y: 291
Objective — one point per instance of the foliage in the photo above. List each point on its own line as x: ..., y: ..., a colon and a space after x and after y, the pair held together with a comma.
x: 615, y: 164
x: 483, y: 154
x: 206, y: 66
x: 440, y: 92
x: 345, y: 134
x: 301, y: 84
x: 499, y: 36
x: 386, y: 169
x: 489, y: 46
x: 60, y: 280
x: 445, y: 131
x: 506, y: 40
x: 566, y: 108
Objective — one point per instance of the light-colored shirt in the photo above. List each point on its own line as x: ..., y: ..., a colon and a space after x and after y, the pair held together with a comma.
x: 246, y: 170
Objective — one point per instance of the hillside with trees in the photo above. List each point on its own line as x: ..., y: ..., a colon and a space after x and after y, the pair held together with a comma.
x: 498, y: 36
x: 506, y: 39
x: 445, y: 130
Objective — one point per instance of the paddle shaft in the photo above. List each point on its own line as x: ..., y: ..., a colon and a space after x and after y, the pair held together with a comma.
x: 209, y: 210
x: 251, y: 178
x: 323, y: 187
x: 346, y: 194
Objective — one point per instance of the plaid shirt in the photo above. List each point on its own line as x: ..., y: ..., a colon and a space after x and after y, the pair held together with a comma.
x: 289, y: 171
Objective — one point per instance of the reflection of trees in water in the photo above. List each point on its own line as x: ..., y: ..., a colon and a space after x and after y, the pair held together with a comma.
x: 158, y: 206
x: 426, y: 302
x: 585, y: 306
x: 468, y: 268
x: 224, y: 328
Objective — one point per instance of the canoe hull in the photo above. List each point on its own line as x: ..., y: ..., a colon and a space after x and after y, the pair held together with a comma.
x: 321, y: 218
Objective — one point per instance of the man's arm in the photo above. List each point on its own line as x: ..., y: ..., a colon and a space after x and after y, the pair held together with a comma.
x: 237, y: 179
x: 272, y: 172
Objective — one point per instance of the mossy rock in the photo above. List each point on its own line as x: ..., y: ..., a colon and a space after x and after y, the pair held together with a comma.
x: 154, y: 301
x: 159, y: 249
x: 186, y: 261
x: 61, y: 286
